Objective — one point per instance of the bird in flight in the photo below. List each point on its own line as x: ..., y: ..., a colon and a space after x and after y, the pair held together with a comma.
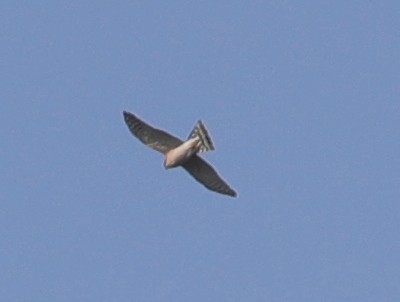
x: 181, y: 153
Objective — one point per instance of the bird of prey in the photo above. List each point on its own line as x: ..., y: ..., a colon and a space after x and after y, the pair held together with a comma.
x: 181, y: 153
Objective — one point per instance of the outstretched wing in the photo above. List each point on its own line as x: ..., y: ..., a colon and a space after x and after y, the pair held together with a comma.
x: 154, y: 138
x: 206, y: 174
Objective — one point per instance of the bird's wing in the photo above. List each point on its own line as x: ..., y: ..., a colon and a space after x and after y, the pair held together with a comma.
x: 206, y: 174
x: 155, y: 138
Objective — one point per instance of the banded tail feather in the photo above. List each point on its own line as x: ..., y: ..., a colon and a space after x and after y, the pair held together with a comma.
x: 200, y: 131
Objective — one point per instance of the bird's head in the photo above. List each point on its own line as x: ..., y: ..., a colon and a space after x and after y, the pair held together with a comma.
x: 166, y: 165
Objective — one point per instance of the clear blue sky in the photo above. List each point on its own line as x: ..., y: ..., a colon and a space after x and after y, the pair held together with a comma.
x: 301, y: 100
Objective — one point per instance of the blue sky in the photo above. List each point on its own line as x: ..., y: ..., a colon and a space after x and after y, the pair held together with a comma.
x: 301, y: 100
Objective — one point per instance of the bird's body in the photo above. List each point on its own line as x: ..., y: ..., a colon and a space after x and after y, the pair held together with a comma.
x: 181, y: 153
x: 177, y: 156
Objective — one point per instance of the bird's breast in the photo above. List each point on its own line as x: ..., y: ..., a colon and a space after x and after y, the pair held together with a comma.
x: 180, y: 154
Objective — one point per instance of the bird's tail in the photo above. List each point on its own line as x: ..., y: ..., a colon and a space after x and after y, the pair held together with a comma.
x: 200, y: 131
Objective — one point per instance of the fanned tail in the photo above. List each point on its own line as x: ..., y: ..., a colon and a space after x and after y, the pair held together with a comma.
x: 200, y: 131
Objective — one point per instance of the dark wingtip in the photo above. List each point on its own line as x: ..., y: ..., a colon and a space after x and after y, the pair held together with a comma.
x: 127, y: 115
